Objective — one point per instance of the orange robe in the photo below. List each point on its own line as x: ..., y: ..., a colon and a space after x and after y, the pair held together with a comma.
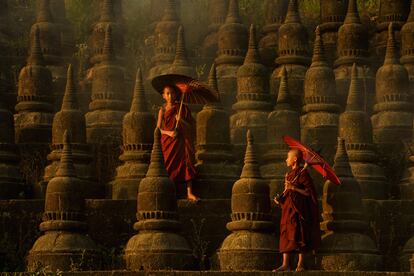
x: 299, y: 224
x: 179, y: 151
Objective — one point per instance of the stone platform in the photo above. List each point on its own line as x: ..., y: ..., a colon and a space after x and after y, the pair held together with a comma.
x: 110, y: 226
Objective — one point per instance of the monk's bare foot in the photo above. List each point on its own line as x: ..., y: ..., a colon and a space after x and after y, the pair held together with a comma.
x: 300, y: 268
x: 192, y: 197
x: 281, y: 268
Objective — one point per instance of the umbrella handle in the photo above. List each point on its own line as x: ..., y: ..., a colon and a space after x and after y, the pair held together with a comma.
x: 179, y: 111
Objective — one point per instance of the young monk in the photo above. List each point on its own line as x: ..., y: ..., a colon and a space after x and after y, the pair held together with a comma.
x: 177, y: 143
x: 299, y: 223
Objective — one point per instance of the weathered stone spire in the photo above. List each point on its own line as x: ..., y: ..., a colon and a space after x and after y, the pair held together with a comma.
x: 391, y: 51
x: 36, y: 56
x: 284, y: 119
x: 170, y: 13
x: 283, y: 98
x: 137, y: 136
x: 252, y: 55
x: 253, y: 99
x: 319, y: 122
x: 355, y: 101
x: 355, y: 124
x: 250, y: 206
x: 108, y: 47
x: 63, y: 220
x: 139, y: 103
x: 157, y: 221
x: 407, y: 48
x: 44, y: 14
x: 332, y: 17
x: 318, y: 58
x: 70, y: 100
x: 180, y: 53
x: 107, y: 11
x: 232, y: 46
x: 294, y: 53
x: 292, y: 15
x: 344, y: 222
x: 275, y: 12
x: 216, y: 168
x: 353, y: 47
x: 233, y: 12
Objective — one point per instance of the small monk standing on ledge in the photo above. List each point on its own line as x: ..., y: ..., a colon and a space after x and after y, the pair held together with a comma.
x: 299, y: 224
x: 177, y: 139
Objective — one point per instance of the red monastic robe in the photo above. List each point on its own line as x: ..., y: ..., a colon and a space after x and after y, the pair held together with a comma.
x: 299, y: 224
x: 179, y: 151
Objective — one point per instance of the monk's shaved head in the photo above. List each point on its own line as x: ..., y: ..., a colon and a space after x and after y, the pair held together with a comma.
x: 294, y: 157
x: 298, y: 154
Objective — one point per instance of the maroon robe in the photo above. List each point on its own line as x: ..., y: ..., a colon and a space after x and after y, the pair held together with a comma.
x: 179, y: 151
x: 299, y: 224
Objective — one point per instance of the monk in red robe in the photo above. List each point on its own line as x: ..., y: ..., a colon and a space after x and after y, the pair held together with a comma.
x: 177, y: 139
x: 299, y: 224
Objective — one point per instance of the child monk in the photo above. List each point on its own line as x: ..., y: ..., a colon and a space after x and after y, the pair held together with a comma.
x: 177, y: 139
x: 299, y: 223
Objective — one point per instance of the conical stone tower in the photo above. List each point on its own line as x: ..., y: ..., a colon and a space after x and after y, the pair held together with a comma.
x: 33, y: 121
x: 396, y: 12
x: 332, y: 16
x: 157, y: 246
x: 293, y: 55
x: 137, y: 143
x: 11, y: 182
x: 232, y: 47
x: 275, y: 11
x: 51, y: 46
x: 72, y: 119
x: 106, y: 111
x: 217, y: 12
x: 355, y: 124
x: 283, y: 120
x: 253, y: 100
x: 407, y: 48
x: 252, y: 244
x: 215, y: 162
x: 392, y: 121
x: 345, y: 244
x: 107, y: 19
x: 64, y: 244
x: 319, y: 124
x: 352, y: 48
x: 181, y: 65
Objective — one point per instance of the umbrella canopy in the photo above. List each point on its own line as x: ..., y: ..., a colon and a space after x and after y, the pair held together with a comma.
x: 192, y: 90
x: 312, y: 158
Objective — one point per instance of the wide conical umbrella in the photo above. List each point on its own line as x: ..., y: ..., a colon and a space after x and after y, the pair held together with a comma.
x: 312, y: 158
x: 192, y: 90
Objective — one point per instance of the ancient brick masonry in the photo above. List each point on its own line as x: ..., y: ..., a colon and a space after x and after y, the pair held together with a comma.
x: 158, y: 245
x: 293, y: 55
x: 355, y: 125
x: 275, y: 12
x: 345, y: 244
x: 232, y: 47
x: 283, y: 120
x: 72, y: 119
x: 215, y: 161
x: 251, y: 245
x: 137, y: 134
x: 64, y: 244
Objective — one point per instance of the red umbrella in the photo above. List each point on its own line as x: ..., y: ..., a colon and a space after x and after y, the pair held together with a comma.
x: 192, y: 90
x: 312, y: 158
